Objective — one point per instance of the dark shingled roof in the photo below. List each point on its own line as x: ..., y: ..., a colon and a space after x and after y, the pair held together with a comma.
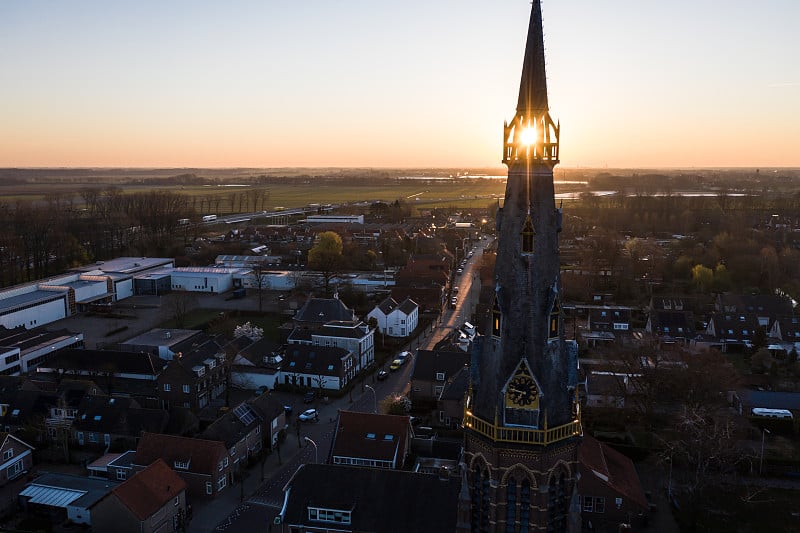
x: 313, y: 359
x: 202, y: 455
x: 429, y: 363
x: 378, y: 499
x: 322, y: 310
x: 102, y: 361
x: 352, y: 437
x: 597, y: 459
x: 149, y: 490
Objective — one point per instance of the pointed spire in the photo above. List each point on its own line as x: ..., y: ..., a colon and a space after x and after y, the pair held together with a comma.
x: 533, y: 85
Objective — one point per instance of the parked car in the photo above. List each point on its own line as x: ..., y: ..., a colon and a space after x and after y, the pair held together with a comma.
x: 382, y: 374
x: 397, y: 363
x: 287, y: 409
x: 309, y: 415
x: 309, y: 397
x: 455, y: 290
x: 453, y: 302
x: 403, y: 356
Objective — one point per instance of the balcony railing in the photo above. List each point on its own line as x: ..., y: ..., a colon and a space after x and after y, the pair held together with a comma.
x: 541, y: 437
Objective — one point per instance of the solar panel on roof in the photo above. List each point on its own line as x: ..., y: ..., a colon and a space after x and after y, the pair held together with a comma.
x: 244, y: 414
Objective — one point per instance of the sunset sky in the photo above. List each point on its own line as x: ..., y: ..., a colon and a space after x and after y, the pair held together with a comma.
x: 379, y: 83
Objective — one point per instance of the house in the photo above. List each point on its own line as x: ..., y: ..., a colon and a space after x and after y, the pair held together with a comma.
x: 193, y: 378
x: 322, y: 498
x: 610, y: 491
x: 432, y: 370
x: 204, y: 465
x: 99, y: 467
x: 121, y: 468
x: 101, y: 421
x: 351, y: 335
x: 733, y: 331
x: 606, y: 389
x: 317, y: 367
x: 272, y: 415
x: 671, y: 326
x: 786, y: 329
x: 766, y: 307
x: 319, y: 311
x: 17, y: 457
x: 103, y: 365
x: 164, y: 343
x: 451, y: 400
x: 611, y: 319
x: 153, y: 500
x: 396, y: 320
x: 241, y: 431
x: 374, y: 440
x: 64, y: 497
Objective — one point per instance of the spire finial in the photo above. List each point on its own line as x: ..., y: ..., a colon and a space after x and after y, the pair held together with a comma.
x: 533, y: 85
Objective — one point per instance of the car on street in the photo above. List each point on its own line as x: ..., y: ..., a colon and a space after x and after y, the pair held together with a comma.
x: 455, y: 290
x: 397, y: 363
x: 382, y: 374
x: 453, y: 302
x: 287, y: 409
x: 309, y: 397
x: 403, y: 356
x: 309, y: 415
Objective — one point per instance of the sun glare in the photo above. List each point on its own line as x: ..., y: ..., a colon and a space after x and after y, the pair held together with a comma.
x: 527, y: 136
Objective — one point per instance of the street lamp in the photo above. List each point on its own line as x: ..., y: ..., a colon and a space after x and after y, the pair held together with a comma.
x: 764, y: 431
x: 316, y: 457
x: 374, y: 397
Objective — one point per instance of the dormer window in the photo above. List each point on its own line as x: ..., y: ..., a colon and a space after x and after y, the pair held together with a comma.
x: 182, y: 465
x: 527, y: 236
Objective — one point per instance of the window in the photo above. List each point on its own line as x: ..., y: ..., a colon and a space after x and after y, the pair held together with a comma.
x: 122, y: 475
x: 8, y: 454
x: 599, y: 505
x: 14, y: 469
x: 329, y: 515
x: 617, y: 501
x: 183, y: 465
x: 222, y: 483
x: 186, y: 389
x: 233, y: 451
x: 166, y: 387
x: 220, y: 466
x: 588, y: 504
x: 440, y: 376
x: 92, y: 437
x: 209, y: 487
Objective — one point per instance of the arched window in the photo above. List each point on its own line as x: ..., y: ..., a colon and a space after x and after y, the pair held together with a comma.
x: 511, y: 506
x: 555, y: 319
x: 527, y: 236
x: 475, y: 502
x: 524, y: 506
x: 557, y: 505
x: 496, y: 318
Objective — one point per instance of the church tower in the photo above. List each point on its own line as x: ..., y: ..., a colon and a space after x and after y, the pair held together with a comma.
x: 522, y: 421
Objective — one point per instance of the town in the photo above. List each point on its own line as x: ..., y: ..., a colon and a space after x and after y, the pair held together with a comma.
x: 402, y: 350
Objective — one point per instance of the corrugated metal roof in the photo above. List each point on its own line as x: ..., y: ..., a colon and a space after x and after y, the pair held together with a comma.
x: 52, y: 496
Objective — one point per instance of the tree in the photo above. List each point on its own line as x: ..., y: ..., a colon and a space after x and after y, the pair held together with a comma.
x: 260, y: 282
x: 702, y: 277
x: 326, y: 256
x: 396, y: 405
x: 248, y: 330
x: 180, y: 305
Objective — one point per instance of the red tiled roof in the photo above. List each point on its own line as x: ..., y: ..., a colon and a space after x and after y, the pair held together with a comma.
x: 202, y: 455
x: 364, y: 436
x: 614, y: 469
x: 150, y: 490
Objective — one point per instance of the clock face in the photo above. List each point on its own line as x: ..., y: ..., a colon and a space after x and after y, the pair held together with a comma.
x: 522, y: 392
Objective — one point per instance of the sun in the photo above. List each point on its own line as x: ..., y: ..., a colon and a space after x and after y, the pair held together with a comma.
x: 527, y: 136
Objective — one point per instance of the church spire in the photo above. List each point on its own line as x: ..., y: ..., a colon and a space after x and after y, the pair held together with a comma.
x: 533, y: 85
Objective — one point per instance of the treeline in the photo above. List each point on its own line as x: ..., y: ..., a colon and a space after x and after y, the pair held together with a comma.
x: 43, y: 239
x: 674, y: 244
